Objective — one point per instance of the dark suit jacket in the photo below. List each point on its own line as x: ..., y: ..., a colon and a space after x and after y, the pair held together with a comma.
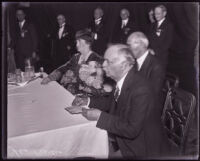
x: 120, y: 35
x: 64, y: 47
x: 135, y: 121
x: 25, y: 42
x: 161, y: 44
x: 154, y: 71
x: 99, y: 45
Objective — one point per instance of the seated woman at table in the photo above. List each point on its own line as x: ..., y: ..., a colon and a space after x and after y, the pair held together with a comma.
x: 83, y: 73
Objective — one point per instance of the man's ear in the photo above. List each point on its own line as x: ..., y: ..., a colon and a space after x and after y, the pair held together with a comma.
x: 164, y: 13
x: 124, y: 65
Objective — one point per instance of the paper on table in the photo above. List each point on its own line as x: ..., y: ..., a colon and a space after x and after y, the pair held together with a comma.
x: 74, y: 109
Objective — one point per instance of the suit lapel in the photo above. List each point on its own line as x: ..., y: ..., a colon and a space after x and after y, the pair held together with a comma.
x: 146, y: 63
x: 163, y: 24
x: 24, y: 26
x: 125, y: 87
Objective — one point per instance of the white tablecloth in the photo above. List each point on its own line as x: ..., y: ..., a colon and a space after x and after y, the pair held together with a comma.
x: 39, y: 127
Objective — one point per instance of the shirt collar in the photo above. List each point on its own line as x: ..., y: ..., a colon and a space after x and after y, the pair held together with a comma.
x: 120, y: 82
x: 62, y: 25
x: 140, y: 60
x: 22, y: 23
x: 125, y: 21
x: 160, y: 22
x: 99, y: 19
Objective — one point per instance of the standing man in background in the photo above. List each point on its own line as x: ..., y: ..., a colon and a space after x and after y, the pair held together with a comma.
x: 64, y: 42
x: 124, y: 28
x: 98, y: 28
x: 24, y: 41
x: 161, y: 34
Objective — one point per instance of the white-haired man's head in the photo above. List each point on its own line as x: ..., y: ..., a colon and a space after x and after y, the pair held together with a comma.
x: 124, y: 14
x: 138, y: 43
x: 160, y: 12
x: 98, y: 13
x: 118, y: 61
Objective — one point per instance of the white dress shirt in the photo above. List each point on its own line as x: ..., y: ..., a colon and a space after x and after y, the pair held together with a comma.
x: 124, y: 22
x: 97, y: 21
x: 141, y: 60
x: 61, y: 29
x: 21, y: 24
x: 120, y: 83
x: 160, y: 22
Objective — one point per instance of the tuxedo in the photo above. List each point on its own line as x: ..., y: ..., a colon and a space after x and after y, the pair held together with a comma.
x: 134, y: 121
x: 160, y: 39
x: 24, y: 42
x: 120, y: 34
x: 100, y: 36
x: 64, y: 45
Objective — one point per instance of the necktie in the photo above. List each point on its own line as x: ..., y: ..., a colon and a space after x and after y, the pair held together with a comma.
x: 116, y: 93
x: 136, y: 65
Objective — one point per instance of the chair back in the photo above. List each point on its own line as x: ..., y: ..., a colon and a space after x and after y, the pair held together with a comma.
x: 177, y: 113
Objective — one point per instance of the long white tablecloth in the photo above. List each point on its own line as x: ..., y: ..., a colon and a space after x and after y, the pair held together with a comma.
x: 39, y: 127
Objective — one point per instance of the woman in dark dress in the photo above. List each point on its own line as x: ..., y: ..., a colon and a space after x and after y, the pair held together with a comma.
x: 68, y: 74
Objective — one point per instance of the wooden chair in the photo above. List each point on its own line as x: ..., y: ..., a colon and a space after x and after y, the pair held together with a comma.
x: 177, y: 113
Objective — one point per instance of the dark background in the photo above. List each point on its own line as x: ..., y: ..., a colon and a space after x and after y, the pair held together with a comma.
x: 183, y: 15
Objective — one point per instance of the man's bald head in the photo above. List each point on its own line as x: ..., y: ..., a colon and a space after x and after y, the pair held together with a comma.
x: 124, y: 14
x: 138, y: 43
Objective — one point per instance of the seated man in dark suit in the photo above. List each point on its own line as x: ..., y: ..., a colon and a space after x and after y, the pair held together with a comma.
x: 147, y: 64
x: 128, y: 113
x: 124, y: 28
x: 98, y: 28
x: 161, y: 34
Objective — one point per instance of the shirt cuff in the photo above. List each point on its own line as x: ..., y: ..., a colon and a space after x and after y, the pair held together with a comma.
x: 87, y: 106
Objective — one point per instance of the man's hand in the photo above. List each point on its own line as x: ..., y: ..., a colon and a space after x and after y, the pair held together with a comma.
x: 80, y: 101
x: 46, y: 80
x: 91, y: 114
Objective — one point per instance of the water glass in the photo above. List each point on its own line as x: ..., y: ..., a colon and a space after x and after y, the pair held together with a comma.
x: 18, y: 75
x: 29, y: 72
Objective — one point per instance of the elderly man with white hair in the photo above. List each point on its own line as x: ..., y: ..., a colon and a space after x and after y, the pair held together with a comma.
x: 124, y: 28
x: 147, y: 64
x: 161, y: 34
x: 129, y: 113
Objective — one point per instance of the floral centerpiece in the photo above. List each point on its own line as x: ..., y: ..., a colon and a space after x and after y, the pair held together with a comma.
x: 87, y: 79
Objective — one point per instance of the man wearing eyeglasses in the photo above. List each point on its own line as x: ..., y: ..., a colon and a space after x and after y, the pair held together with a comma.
x: 128, y: 114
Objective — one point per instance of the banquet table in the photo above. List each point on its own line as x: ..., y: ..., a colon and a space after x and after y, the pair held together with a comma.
x: 38, y: 126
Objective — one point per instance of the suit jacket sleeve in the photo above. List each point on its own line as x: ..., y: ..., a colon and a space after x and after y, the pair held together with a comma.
x: 157, y: 77
x: 129, y: 127
x: 34, y: 37
x: 101, y: 103
x: 166, y: 38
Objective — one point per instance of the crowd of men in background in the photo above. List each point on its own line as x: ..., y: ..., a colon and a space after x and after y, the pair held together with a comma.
x: 25, y: 40
x: 150, y: 52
